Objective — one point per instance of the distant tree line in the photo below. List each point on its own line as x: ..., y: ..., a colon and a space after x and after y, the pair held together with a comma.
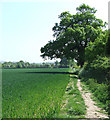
x: 64, y: 63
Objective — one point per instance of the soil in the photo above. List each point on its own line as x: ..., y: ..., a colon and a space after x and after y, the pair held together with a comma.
x: 92, y: 109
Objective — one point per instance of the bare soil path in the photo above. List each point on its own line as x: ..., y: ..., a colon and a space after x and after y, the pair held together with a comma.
x: 92, y: 109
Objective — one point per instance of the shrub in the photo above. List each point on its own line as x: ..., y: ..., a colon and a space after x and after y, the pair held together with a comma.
x: 101, y: 92
x: 92, y: 84
x: 102, y: 63
x: 98, y: 69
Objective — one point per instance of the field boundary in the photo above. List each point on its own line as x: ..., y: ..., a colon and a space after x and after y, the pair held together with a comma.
x: 50, y: 72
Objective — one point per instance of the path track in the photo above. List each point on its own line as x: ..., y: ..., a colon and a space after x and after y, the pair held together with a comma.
x: 92, y: 109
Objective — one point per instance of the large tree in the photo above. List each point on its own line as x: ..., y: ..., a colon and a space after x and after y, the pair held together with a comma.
x: 73, y: 33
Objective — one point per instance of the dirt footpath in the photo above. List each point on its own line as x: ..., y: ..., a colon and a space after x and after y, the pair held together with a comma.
x: 92, y: 109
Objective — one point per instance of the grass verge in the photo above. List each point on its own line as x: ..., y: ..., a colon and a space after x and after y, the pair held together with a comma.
x: 73, y: 105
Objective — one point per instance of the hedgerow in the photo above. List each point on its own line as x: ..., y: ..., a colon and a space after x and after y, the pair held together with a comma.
x: 97, y: 76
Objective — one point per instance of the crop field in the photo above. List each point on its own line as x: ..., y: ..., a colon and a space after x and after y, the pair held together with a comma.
x: 33, y: 93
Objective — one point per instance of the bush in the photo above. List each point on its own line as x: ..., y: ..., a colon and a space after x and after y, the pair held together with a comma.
x: 82, y: 73
x: 99, y: 69
x: 102, y: 92
x: 102, y: 64
x: 92, y: 84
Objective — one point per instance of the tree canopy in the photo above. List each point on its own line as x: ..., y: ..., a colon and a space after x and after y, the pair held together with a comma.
x: 73, y: 34
x: 96, y: 48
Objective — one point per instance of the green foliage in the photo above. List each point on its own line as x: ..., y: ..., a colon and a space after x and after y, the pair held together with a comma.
x: 28, y: 94
x: 92, y: 84
x: 108, y: 44
x: 98, y: 69
x: 74, y: 68
x: 22, y: 64
x: 84, y: 8
x: 76, y: 110
x: 73, y: 34
x: 76, y: 104
x: 96, y: 48
x: 75, y: 107
x: 64, y: 62
x: 102, y: 63
x: 72, y: 64
x: 101, y: 92
x: 97, y: 76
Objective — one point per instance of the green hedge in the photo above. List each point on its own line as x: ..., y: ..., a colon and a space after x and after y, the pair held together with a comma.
x: 97, y: 76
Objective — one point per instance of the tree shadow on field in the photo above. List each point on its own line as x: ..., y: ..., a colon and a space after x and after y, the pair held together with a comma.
x: 50, y: 72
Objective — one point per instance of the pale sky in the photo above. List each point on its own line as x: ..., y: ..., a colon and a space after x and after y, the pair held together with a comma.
x: 26, y: 26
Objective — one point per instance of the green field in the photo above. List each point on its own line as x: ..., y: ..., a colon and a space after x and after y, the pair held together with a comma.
x: 33, y: 93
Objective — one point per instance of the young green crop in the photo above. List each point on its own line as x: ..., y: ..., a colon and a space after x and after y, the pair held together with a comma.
x: 32, y: 93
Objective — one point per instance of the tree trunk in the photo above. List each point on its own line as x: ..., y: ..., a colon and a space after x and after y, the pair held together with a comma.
x: 81, y: 59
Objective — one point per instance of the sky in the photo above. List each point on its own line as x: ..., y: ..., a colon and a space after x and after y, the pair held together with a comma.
x: 26, y: 25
